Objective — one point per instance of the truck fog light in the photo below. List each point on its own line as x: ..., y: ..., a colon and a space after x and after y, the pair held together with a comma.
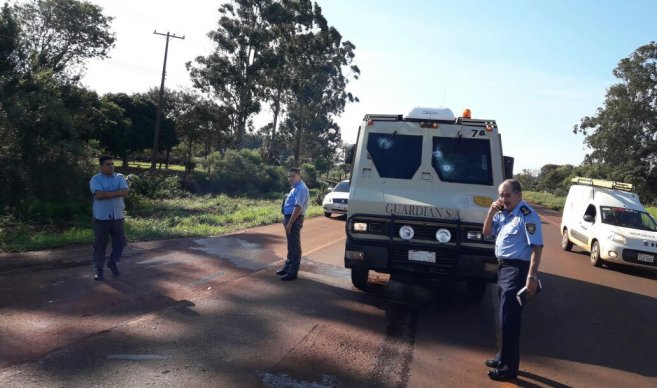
x: 475, y: 236
x: 360, y: 227
x: 406, y: 232
x: 613, y: 254
x: 354, y: 255
x: 443, y: 235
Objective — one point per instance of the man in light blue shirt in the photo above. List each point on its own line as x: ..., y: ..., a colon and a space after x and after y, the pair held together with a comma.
x: 108, y: 189
x: 518, y: 247
x: 293, y: 208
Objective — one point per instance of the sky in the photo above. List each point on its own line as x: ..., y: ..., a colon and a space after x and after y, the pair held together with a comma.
x: 536, y: 67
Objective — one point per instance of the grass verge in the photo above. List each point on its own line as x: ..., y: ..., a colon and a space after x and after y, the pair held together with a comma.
x: 149, y: 219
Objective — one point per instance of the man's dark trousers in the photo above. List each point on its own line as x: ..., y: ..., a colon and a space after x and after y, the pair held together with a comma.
x: 293, y: 245
x: 102, y: 230
x: 512, y: 276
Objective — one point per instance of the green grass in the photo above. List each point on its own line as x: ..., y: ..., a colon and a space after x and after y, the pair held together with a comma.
x: 545, y: 199
x: 557, y: 203
x: 198, y: 216
x: 147, y: 165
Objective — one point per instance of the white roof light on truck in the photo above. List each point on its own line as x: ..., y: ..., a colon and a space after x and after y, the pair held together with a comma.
x: 430, y: 114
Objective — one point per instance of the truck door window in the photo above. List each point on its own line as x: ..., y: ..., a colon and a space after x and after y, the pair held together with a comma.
x: 462, y: 160
x: 395, y: 156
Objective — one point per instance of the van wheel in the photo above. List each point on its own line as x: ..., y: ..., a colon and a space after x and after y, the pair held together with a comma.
x: 476, y: 290
x: 359, y: 278
x: 327, y: 214
x: 566, y: 244
x: 595, y: 255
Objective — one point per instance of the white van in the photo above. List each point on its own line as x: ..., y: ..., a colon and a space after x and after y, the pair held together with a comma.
x: 607, y: 219
x: 420, y: 189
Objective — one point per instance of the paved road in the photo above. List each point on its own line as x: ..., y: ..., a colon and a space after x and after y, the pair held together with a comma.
x: 211, y: 312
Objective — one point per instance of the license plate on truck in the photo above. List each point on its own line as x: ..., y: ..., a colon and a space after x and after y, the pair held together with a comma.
x: 423, y: 256
x: 645, y: 258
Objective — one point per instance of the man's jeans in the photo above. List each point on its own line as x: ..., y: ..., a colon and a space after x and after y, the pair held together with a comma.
x: 293, y: 245
x: 102, y: 230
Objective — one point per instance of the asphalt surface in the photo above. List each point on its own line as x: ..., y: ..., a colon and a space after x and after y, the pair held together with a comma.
x: 211, y: 312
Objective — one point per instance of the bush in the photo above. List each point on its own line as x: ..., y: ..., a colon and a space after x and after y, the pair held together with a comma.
x: 154, y: 185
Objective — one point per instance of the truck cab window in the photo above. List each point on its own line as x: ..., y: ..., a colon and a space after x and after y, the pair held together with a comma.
x: 395, y: 156
x: 462, y: 160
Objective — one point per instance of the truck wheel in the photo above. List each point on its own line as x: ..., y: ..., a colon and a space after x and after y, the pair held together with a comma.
x: 566, y: 244
x: 359, y: 278
x: 327, y: 214
x: 476, y: 290
x: 595, y: 255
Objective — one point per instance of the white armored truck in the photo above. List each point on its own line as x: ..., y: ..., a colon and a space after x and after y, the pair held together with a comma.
x: 421, y: 185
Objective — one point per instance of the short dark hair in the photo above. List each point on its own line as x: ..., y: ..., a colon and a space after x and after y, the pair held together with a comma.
x: 295, y: 170
x: 103, y: 158
x: 515, y: 185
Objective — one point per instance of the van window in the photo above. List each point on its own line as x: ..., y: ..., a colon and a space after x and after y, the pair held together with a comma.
x: 395, y: 156
x: 590, y: 211
x: 462, y: 160
x: 627, y: 218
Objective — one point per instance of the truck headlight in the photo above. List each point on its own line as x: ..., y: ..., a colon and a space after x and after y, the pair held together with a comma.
x: 443, y: 235
x: 360, y: 227
x: 406, y: 232
x: 616, y: 237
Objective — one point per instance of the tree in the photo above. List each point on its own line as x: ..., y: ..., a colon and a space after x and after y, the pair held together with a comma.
x: 59, y: 35
x: 199, y: 123
x: 623, y: 133
x: 231, y: 71
x: 318, y: 89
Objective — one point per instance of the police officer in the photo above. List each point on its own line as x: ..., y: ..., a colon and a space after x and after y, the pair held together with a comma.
x: 518, y: 247
x: 293, y: 208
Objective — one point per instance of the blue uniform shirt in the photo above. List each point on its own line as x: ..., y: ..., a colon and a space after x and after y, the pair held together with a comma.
x: 108, y: 209
x: 298, y: 195
x: 516, y: 232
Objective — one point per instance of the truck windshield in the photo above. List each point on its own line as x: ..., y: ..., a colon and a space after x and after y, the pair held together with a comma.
x: 627, y: 218
x: 462, y: 160
x: 395, y: 156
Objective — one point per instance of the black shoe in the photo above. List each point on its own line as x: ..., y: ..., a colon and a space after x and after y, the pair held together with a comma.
x: 281, y: 272
x: 99, y: 276
x: 115, y: 269
x: 501, y: 375
x: 492, y: 363
x: 288, y: 276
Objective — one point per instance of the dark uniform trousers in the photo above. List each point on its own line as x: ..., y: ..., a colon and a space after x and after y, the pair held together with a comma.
x: 293, y: 245
x: 512, y: 276
x: 102, y: 230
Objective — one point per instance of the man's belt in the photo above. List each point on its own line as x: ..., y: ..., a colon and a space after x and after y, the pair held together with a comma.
x: 512, y: 262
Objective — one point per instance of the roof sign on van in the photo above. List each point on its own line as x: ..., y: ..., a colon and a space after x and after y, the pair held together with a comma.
x: 603, y: 183
x: 430, y: 114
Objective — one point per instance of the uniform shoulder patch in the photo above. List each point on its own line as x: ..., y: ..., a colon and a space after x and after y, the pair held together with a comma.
x: 531, y: 228
x: 525, y: 210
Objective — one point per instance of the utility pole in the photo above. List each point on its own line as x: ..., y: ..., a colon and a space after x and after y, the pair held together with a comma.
x: 156, y: 141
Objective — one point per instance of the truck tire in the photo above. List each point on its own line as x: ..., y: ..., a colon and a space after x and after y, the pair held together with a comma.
x: 327, y: 214
x: 566, y: 244
x: 476, y: 290
x: 359, y: 277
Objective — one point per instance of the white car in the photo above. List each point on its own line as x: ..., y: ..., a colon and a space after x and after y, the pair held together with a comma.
x: 336, y: 200
x: 607, y: 219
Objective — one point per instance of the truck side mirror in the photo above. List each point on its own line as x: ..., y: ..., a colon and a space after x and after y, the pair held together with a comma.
x: 508, y: 167
x: 588, y: 218
x: 349, y: 153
